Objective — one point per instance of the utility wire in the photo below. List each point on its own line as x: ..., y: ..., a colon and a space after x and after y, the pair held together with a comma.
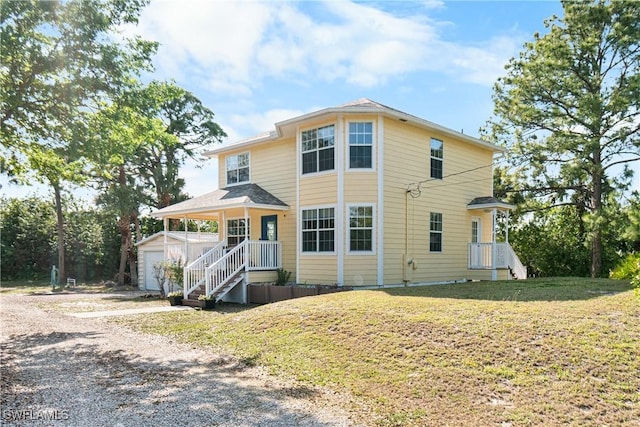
x: 415, y: 189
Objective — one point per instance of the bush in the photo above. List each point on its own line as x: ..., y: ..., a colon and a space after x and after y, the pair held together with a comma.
x: 283, y: 277
x: 628, y: 268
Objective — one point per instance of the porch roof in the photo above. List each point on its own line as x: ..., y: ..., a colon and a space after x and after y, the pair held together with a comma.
x: 489, y: 202
x: 236, y: 196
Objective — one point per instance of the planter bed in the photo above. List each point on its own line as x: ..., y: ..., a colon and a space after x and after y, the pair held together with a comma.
x: 268, y: 293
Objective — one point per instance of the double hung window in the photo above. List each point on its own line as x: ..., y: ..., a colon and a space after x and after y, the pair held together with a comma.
x: 318, y: 149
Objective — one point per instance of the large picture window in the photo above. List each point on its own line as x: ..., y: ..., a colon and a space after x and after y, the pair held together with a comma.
x: 237, y: 230
x: 360, y: 145
x: 318, y: 230
x: 435, y: 232
x: 237, y: 169
x: 361, y: 228
x: 318, y: 152
x: 437, y: 158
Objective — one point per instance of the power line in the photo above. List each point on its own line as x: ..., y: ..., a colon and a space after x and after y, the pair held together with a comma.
x: 415, y: 189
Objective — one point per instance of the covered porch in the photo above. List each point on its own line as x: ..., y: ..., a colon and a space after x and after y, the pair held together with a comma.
x: 493, y: 255
x: 247, y: 218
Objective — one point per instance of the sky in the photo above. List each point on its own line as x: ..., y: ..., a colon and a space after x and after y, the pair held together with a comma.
x: 255, y: 63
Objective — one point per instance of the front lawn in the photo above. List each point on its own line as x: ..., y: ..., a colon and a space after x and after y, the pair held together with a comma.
x: 535, y: 352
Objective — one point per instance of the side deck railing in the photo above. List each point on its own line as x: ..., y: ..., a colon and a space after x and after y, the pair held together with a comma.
x: 488, y: 256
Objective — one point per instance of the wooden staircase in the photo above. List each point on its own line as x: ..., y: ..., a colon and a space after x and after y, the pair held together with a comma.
x: 218, y: 294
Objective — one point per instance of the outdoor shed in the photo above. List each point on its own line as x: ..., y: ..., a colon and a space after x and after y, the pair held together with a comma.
x: 178, y: 245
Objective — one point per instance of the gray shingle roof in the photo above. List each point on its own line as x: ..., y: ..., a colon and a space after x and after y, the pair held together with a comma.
x: 244, y: 195
x: 488, y: 202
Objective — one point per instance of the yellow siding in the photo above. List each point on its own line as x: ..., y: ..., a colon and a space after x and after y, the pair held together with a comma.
x: 318, y: 190
x: 273, y: 167
x: 360, y: 270
x: 407, y: 160
x: 318, y: 269
x: 361, y: 187
x: 261, y: 276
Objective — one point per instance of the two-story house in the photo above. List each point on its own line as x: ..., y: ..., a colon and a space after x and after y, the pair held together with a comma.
x: 358, y: 195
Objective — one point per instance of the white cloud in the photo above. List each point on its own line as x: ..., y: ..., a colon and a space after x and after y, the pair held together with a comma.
x: 231, y: 47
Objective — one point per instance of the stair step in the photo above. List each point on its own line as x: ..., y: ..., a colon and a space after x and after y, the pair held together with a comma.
x: 191, y: 302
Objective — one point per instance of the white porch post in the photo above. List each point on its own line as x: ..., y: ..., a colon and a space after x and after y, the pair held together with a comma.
x: 222, y: 227
x: 186, y: 242
x: 246, y: 237
x: 506, y: 233
x: 494, y: 271
x: 165, y: 225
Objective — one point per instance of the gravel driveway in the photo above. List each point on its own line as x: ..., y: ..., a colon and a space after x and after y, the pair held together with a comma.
x: 61, y: 370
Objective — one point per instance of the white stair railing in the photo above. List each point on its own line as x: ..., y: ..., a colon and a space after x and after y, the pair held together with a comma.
x: 226, y: 268
x: 194, y: 273
x: 519, y: 270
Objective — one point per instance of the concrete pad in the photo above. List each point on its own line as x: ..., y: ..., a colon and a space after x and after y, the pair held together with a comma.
x: 91, y: 314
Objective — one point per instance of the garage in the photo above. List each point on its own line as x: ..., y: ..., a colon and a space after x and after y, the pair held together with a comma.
x: 150, y: 259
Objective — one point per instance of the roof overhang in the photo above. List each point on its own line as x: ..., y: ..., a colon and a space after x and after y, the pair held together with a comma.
x: 209, y: 205
x: 489, y: 203
x: 288, y: 127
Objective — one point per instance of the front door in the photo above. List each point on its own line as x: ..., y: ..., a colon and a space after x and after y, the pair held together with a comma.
x: 270, y: 228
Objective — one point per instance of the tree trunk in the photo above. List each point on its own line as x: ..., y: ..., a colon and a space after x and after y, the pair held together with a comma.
x: 133, y: 265
x: 125, y: 232
x: 62, y: 272
x: 596, y: 203
x: 124, y: 227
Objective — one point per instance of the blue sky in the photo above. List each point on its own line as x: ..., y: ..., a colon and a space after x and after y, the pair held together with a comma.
x: 256, y: 63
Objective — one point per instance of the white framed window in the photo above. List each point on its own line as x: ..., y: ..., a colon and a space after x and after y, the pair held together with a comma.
x: 361, y: 229
x: 318, y: 149
x: 237, y: 230
x: 435, y: 232
x: 318, y: 230
x: 437, y: 158
x: 238, y: 169
x: 360, y: 145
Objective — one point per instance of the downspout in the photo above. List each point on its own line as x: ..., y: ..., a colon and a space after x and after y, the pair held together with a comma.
x: 165, y: 225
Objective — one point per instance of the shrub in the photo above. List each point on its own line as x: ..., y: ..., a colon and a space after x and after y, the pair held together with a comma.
x: 283, y: 276
x: 627, y: 268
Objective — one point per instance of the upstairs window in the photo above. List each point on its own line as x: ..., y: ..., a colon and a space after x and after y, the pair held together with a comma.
x: 318, y: 152
x: 437, y: 156
x: 318, y: 230
x: 360, y: 145
x: 237, y: 169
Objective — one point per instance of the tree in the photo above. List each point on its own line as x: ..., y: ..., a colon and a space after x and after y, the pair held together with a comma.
x: 184, y: 117
x: 58, y: 60
x: 568, y: 110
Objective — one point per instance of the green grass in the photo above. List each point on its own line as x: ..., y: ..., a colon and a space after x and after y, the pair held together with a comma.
x: 536, y: 352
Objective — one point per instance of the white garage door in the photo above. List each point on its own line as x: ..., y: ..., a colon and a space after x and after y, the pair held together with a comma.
x: 150, y: 258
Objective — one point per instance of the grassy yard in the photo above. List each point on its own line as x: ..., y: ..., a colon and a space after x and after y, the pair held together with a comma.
x: 535, y: 352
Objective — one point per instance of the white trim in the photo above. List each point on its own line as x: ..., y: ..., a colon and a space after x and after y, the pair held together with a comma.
x: 335, y: 229
x: 298, y: 225
x: 374, y: 232
x: 227, y: 184
x: 347, y: 146
x: 340, y: 218
x: 380, y: 225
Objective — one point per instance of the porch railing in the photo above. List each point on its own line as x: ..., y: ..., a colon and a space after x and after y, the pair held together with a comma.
x: 488, y: 256
x: 194, y: 251
x: 194, y: 273
x: 226, y: 268
x: 219, y: 264
x: 264, y: 255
